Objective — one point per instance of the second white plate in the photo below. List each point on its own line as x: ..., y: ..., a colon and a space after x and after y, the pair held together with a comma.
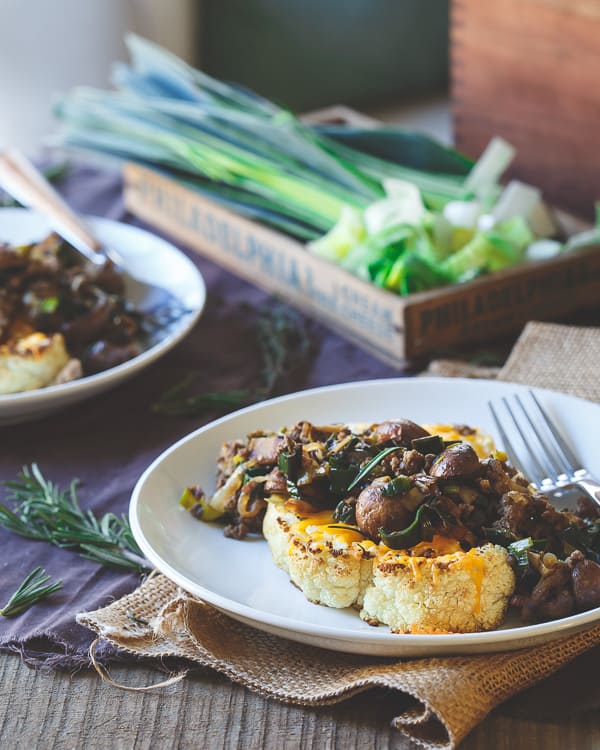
x: 147, y: 256
x: 240, y: 578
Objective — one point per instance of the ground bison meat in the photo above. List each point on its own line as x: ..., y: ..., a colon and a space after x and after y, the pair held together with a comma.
x: 551, y: 598
x: 276, y: 483
x: 526, y: 515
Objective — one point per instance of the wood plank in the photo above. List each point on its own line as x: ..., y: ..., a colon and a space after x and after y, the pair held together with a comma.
x: 53, y: 710
x: 527, y: 70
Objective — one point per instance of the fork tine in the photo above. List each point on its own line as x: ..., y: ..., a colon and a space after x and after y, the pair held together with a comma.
x: 553, y: 468
x: 569, y: 460
x: 506, y: 444
x: 539, y: 474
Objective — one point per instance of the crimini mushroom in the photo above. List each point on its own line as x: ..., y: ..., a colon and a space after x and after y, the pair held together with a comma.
x: 375, y: 510
x: 399, y: 431
x: 458, y: 460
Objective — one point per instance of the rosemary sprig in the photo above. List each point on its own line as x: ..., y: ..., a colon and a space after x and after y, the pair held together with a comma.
x: 284, y: 345
x: 34, y: 587
x: 41, y: 510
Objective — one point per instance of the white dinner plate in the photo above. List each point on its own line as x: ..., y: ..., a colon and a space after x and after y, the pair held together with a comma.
x: 146, y: 256
x: 240, y: 578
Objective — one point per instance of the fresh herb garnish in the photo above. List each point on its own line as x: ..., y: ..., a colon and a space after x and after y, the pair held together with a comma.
x: 36, y: 586
x: 43, y: 511
x: 407, y: 537
x: 137, y: 620
x: 371, y: 465
x: 284, y: 345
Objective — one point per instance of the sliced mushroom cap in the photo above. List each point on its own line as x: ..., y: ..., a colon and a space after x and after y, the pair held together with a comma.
x: 375, y: 510
x: 458, y: 460
x: 264, y: 450
x: 401, y: 431
x: 586, y: 584
x: 551, y: 597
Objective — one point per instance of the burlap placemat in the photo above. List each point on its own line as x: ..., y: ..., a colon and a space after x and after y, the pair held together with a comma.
x: 440, y: 699
x: 562, y: 358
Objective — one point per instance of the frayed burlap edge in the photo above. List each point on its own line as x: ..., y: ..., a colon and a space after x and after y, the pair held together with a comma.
x: 440, y: 699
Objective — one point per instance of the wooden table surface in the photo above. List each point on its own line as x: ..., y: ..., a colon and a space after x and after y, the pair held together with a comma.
x: 206, y: 710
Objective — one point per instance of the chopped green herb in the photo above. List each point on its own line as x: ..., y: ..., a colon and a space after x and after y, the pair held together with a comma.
x: 366, y: 470
x: 428, y: 444
x: 293, y: 490
x: 345, y: 527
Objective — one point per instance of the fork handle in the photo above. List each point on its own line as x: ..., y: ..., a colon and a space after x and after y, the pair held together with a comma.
x: 27, y: 184
x: 591, y: 487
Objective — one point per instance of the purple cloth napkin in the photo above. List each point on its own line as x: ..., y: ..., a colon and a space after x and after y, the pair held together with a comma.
x: 109, y: 440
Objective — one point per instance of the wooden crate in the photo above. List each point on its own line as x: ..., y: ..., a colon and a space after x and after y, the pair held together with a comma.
x: 395, y: 329
x: 528, y: 70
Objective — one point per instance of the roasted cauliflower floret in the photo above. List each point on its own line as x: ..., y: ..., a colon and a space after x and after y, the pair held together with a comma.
x: 458, y: 592
x: 453, y: 592
x: 331, y: 566
x: 33, y: 361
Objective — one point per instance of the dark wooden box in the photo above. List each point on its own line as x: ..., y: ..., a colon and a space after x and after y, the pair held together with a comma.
x: 529, y: 70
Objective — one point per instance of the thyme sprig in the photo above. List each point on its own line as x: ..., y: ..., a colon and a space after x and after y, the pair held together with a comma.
x: 35, y: 586
x: 284, y: 346
x: 41, y: 510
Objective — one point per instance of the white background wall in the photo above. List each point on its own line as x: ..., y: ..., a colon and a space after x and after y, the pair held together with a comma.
x: 48, y: 46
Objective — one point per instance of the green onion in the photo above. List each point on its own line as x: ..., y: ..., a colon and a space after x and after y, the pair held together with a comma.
x: 290, y: 463
x: 340, y: 477
x: 520, y: 551
x: 422, y: 218
x: 397, y: 486
x: 428, y: 444
x: 407, y: 537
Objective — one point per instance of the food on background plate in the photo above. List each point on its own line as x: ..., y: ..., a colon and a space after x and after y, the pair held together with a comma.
x: 426, y: 529
x: 60, y: 317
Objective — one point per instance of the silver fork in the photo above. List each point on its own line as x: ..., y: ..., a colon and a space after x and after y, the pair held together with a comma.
x: 544, y: 455
x: 20, y: 178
